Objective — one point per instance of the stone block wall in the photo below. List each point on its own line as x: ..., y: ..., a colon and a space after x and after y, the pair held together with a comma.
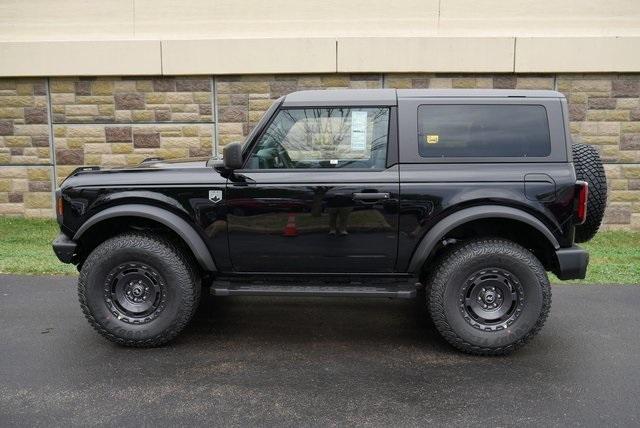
x: 24, y: 131
x: 25, y: 148
x: 127, y: 144
x: 131, y: 100
x: 49, y: 126
x: 26, y: 191
x: 122, y: 121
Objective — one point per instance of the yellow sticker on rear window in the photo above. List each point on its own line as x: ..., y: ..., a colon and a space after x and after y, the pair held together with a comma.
x: 432, y: 139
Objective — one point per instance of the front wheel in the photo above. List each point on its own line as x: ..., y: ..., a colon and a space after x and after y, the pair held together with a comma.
x: 138, y: 290
x: 489, y: 297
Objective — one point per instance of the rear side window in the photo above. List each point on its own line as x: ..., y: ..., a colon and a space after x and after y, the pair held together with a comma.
x: 483, y: 131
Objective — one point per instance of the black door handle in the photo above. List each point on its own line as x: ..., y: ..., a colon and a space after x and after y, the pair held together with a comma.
x: 371, y: 196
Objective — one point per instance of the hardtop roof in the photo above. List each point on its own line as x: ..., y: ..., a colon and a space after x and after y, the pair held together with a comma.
x: 389, y: 97
x: 474, y: 93
x: 337, y: 97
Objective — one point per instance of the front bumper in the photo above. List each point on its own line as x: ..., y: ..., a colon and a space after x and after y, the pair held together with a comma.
x: 572, y: 263
x: 64, y: 248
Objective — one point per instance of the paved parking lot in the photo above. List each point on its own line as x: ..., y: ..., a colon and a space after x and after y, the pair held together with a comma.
x: 315, y: 362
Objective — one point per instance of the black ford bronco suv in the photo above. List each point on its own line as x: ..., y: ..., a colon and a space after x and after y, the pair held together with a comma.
x: 464, y: 198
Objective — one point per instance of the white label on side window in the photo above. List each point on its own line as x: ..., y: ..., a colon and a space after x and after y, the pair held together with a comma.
x: 358, y: 130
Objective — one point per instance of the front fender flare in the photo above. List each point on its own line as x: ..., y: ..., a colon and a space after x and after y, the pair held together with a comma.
x: 444, y: 226
x: 167, y: 218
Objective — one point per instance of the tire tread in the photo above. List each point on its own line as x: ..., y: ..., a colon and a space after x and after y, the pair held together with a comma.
x: 589, y: 168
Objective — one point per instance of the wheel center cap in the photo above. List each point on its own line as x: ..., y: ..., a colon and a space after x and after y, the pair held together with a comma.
x: 137, y: 291
x: 489, y: 297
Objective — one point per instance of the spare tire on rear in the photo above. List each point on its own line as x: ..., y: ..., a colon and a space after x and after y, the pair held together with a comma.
x: 589, y: 168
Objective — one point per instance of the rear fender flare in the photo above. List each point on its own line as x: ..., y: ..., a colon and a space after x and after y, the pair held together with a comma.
x: 444, y: 226
x: 167, y: 218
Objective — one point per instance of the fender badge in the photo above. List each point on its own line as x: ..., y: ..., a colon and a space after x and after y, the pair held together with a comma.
x: 215, y: 196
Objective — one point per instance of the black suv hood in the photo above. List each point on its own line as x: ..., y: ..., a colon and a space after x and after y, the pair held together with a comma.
x: 153, y: 171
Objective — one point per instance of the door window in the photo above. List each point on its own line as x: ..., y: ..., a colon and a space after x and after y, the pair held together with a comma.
x: 332, y: 137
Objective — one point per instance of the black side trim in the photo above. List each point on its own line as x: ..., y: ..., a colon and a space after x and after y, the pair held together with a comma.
x: 172, y: 221
x: 64, y: 248
x: 572, y: 263
x: 466, y: 215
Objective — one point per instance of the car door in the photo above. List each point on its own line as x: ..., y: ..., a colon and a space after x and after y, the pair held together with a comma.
x: 317, y: 194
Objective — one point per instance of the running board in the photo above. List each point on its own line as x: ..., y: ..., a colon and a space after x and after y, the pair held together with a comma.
x: 226, y: 288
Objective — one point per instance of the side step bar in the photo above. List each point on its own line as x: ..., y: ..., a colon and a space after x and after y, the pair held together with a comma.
x: 225, y: 288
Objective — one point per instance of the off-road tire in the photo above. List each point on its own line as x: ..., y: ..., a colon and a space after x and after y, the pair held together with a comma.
x: 179, y: 277
x: 589, y: 168
x: 453, y: 272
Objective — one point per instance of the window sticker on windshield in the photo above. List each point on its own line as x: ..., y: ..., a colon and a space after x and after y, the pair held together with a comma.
x: 358, y: 130
x: 432, y: 139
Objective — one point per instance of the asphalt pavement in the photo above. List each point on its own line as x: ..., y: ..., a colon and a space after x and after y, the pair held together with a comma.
x: 315, y: 362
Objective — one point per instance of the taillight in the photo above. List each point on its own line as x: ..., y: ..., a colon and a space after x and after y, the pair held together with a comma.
x: 59, y: 205
x: 583, y: 193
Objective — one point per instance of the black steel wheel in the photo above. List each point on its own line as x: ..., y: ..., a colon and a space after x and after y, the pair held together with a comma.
x: 491, y: 299
x: 489, y: 296
x: 138, y: 289
x: 135, y: 292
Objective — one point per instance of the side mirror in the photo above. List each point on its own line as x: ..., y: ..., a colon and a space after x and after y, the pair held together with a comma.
x: 232, y: 156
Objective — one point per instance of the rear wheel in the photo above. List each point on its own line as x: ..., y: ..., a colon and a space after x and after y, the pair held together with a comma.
x: 138, y: 290
x: 489, y: 297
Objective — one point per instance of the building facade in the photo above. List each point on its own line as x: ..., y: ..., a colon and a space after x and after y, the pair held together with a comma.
x: 113, y: 83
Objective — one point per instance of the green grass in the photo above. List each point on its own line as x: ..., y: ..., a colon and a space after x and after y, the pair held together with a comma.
x: 614, y: 258
x: 25, y: 248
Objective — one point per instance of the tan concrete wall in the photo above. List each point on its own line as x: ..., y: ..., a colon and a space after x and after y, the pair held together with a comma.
x: 556, y: 18
x: 106, y: 58
x: 115, y: 121
x: 235, y: 56
x: 570, y: 54
x: 419, y: 54
x: 321, y: 55
x: 155, y: 37
x: 197, y: 19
